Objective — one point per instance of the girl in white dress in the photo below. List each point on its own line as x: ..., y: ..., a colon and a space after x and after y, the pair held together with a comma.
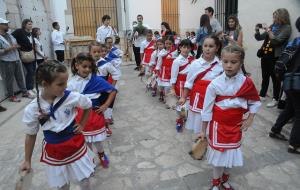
x: 227, y: 99
x: 202, y: 72
x: 54, y: 111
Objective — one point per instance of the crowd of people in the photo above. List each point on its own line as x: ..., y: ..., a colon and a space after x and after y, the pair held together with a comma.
x: 202, y: 77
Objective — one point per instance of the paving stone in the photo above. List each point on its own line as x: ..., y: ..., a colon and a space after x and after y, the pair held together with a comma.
x: 146, y: 165
x: 167, y: 175
x: 187, y: 169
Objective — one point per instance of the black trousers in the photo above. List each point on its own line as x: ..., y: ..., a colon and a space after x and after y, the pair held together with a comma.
x: 292, y: 109
x: 60, y: 55
x: 267, y: 71
x: 137, y: 55
x: 30, y: 74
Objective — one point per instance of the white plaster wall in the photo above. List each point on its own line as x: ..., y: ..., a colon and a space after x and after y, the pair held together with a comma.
x: 189, y: 14
x: 58, y: 13
x: 252, y: 12
x: 151, y: 11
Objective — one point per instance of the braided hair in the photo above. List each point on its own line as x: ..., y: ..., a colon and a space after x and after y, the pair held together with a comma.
x: 79, y: 59
x: 47, y: 72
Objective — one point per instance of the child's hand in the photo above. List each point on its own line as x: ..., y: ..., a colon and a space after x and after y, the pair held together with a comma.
x: 101, y: 109
x: 26, y: 166
x: 182, y: 101
x: 78, y: 128
x: 172, y: 92
x: 247, y: 123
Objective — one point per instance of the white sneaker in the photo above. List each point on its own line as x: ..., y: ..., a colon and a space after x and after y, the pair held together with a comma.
x: 273, y: 103
x: 31, y: 94
x: 262, y: 98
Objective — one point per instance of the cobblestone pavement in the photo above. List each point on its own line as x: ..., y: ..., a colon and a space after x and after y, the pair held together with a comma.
x: 146, y: 152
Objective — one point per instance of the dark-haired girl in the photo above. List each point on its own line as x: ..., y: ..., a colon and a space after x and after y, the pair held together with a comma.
x: 202, y: 72
x: 180, y: 69
x: 40, y: 55
x: 85, y: 81
x: 53, y: 111
x: 164, y: 65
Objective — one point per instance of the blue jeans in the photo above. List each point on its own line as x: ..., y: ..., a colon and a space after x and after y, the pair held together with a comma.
x: 30, y: 73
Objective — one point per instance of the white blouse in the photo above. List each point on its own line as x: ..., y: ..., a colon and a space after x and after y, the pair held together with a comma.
x: 64, y: 115
x: 161, y: 54
x: 200, y: 65
x: 226, y: 86
x: 179, y: 61
x: 108, y: 68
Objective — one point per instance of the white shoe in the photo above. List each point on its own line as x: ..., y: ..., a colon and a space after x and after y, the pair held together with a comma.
x: 262, y: 98
x: 34, y: 91
x: 273, y: 103
x: 31, y: 94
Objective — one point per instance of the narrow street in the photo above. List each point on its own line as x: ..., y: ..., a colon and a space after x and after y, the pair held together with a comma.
x: 146, y: 152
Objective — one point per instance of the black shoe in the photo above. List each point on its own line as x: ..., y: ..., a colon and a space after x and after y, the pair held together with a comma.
x: 293, y: 149
x: 2, y: 109
x: 141, y: 74
x: 277, y: 136
x: 137, y: 68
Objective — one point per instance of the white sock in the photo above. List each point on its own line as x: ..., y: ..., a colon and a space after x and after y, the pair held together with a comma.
x: 217, y: 172
x: 99, y: 147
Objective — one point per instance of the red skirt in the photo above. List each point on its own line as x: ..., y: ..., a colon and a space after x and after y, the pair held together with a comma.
x: 64, y: 153
x: 198, y: 94
x: 95, y: 124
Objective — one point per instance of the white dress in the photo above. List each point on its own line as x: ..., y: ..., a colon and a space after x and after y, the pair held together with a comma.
x: 194, y: 121
x: 64, y: 115
x: 226, y: 86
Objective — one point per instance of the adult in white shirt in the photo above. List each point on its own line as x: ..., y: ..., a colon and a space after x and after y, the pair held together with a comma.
x: 105, y: 30
x: 139, y: 35
x: 215, y: 25
x: 58, y: 42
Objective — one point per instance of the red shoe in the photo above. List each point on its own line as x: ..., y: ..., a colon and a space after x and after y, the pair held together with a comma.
x: 225, y: 183
x: 103, y: 160
x: 215, y: 184
x: 14, y: 99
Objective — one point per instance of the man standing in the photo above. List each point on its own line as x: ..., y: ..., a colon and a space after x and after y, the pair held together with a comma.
x: 10, y: 63
x: 139, y: 35
x: 215, y: 25
x: 58, y: 42
x: 105, y: 30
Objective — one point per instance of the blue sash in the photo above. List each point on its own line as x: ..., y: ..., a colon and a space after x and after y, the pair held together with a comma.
x: 97, y: 85
x: 56, y: 138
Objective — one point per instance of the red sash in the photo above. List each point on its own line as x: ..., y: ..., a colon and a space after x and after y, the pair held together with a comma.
x: 166, y: 67
x: 110, y: 79
x: 64, y: 153
x: 224, y: 130
x: 181, y: 78
x: 95, y: 124
x: 148, y: 52
x: 198, y: 91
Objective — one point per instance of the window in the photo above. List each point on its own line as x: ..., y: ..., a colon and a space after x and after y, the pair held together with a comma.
x: 225, y: 8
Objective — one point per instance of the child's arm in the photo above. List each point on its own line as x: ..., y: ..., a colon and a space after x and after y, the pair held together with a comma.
x: 202, y: 134
x: 174, y: 75
x: 29, y: 146
x: 109, y: 100
x: 115, y: 73
x: 248, y: 122
x: 79, y: 126
x: 182, y: 100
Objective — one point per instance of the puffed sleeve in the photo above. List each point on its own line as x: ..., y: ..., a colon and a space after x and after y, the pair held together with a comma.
x: 80, y: 100
x: 209, y: 101
x: 174, y: 71
x: 30, y: 118
x: 191, y: 76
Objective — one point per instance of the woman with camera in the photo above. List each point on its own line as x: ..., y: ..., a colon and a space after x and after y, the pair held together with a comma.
x: 275, y: 39
x: 292, y: 108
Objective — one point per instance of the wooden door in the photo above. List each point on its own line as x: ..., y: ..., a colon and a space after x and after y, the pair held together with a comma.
x: 87, y: 15
x: 170, y: 14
